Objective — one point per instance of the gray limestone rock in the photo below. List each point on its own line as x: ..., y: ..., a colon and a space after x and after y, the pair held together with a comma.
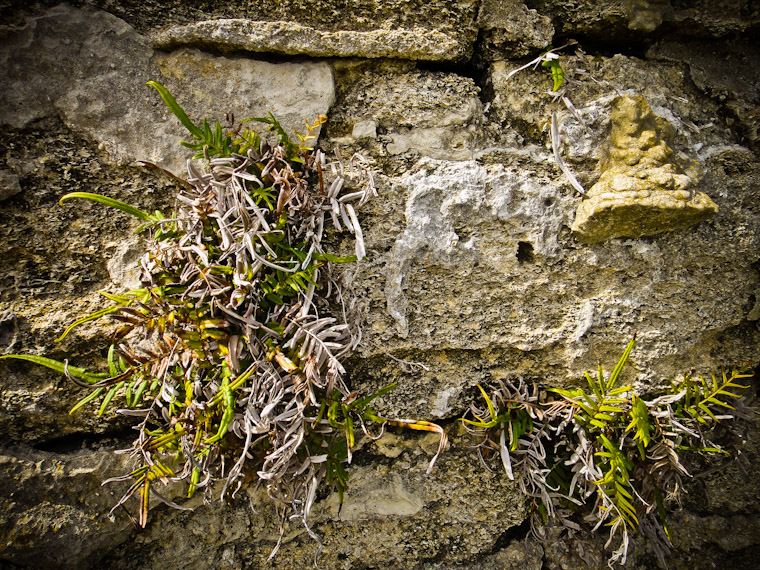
x: 510, y: 30
x: 472, y: 274
x: 54, y: 509
x: 291, y: 38
x: 425, y: 30
x: 414, y: 30
x: 484, y: 279
x: 53, y: 260
x: 394, y: 515
x: 407, y: 112
x: 90, y: 68
x: 481, y: 275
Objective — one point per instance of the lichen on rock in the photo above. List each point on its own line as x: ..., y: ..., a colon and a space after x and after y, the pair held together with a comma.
x: 643, y: 190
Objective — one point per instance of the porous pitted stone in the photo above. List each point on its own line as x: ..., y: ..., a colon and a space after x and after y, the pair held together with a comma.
x: 291, y: 38
x: 396, y: 111
x: 508, y: 29
x: 90, y: 68
x: 642, y: 191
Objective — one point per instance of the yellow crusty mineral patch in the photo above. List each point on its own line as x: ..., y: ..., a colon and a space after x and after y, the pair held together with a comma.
x: 642, y: 191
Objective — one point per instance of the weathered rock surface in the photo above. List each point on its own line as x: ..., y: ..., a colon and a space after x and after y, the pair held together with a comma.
x: 397, y: 111
x: 641, y: 191
x: 90, y: 68
x: 394, y: 515
x: 420, y: 30
x: 510, y: 30
x: 725, y: 71
x: 632, y: 20
x: 290, y: 38
x: 473, y: 272
x: 54, y: 511
x: 481, y: 276
x: 53, y: 260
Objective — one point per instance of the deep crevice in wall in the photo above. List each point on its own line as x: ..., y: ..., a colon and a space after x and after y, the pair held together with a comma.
x: 74, y: 442
x: 466, y: 69
x: 599, y: 48
x: 512, y: 534
x: 218, y: 50
x: 524, y: 252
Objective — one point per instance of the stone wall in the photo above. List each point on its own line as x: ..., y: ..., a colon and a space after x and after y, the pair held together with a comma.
x: 484, y: 261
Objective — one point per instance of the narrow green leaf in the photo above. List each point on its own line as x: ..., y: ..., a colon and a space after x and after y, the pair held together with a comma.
x: 619, y: 366
x: 113, y: 368
x: 87, y: 399
x: 207, y: 136
x: 177, y: 110
x: 707, y: 411
x: 569, y: 394
x: 717, y: 402
x: 274, y: 298
x: 594, y: 386
x: 591, y: 402
x: 109, y: 396
x: 728, y: 394
x: 623, y: 491
x: 94, y: 316
x: 349, y: 432
x: 361, y: 403
x: 608, y: 444
x: 59, y: 367
x: 126, y: 298
x: 480, y: 424
x: 601, y: 416
x: 105, y: 200
x: 139, y: 391
x: 491, y: 409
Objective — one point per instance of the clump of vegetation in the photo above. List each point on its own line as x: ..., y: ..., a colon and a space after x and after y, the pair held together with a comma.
x: 605, y: 454
x: 550, y: 59
x: 228, y: 355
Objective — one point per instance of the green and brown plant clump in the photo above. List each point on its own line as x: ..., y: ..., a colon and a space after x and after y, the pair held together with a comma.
x: 228, y: 356
x: 605, y: 455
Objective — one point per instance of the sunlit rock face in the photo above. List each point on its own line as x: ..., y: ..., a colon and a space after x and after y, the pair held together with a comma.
x: 642, y: 191
x: 483, y: 261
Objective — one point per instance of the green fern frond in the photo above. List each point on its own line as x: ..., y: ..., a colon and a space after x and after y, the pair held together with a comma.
x: 60, y: 367
x: 602, y: 408
x: 702, y: 397
x: 640, y: 424
x: 616, y: 483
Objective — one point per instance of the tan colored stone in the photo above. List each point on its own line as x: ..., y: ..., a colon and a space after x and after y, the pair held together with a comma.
x: 90, y: 68
x: 641, y: 191
x: 296, y: 39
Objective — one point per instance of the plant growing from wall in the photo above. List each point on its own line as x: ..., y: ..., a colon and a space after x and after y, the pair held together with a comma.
x: 227, y: 355
x: 604, y: 452
x: 550, y: 59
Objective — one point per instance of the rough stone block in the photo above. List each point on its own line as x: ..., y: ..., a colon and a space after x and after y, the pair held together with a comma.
x: 90, y: 68
x: 509, y: 29
x: 642, y: 191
